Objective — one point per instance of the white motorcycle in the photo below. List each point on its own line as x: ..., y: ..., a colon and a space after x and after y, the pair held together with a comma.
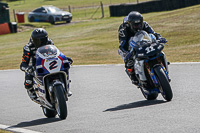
x: 51, y: 81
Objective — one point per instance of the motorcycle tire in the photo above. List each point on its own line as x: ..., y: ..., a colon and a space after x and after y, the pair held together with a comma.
x: 49, y: 113
x: 165, y: 87
x: 60, y: 105
x: 151, y: 96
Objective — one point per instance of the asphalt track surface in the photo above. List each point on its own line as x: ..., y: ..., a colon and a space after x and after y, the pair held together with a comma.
x: 105, y: 101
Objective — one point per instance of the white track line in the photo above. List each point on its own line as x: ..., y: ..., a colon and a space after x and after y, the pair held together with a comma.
x: 175, y: 63
x: 19, y: 130
x: 185, y: 63
x: 96, y: 65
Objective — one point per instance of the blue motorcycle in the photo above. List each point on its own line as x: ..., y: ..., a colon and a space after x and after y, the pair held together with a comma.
x: 150, y: 66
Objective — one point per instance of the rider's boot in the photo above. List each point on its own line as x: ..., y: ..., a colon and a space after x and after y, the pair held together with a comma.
x: 29, y: 86
x: 134, y: 79
x: 69, y: 92
x: 31, y: 93
x: 131, y: 74
x: 145, y: 85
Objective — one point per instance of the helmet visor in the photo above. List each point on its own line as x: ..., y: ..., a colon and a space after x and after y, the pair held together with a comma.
x: 136, y: 26
x: 38, y: 42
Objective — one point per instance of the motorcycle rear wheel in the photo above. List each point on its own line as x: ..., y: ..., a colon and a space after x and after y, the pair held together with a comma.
x: 49, y: 113
x: 60, y: 105
x: 165, y: 87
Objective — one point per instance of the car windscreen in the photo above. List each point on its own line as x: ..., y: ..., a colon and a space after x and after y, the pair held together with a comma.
x: 53, y: 9
x: 39, y: 10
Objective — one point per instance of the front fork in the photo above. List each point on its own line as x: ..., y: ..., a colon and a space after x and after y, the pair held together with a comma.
x: 65, y: 91
x: 151, y: 71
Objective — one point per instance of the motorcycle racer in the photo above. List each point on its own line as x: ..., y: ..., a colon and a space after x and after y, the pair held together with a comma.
x: 39, y: 37
x: 132, y: 24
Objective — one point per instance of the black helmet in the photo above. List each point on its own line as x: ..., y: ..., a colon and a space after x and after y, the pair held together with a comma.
x: 39, y: 37
x: 135, y: 21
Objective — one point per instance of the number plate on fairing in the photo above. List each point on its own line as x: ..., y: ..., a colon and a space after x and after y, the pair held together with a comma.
x: 53, y: 65
x: 148, y: 50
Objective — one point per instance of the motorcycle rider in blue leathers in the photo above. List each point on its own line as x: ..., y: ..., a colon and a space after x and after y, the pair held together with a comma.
x: 39, y: 37
x: 132, y: 24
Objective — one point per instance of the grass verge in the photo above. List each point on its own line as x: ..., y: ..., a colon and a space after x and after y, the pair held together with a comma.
x: 96, y: 41
x: 4, y: 131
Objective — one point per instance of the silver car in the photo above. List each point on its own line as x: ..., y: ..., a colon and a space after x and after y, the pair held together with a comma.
x: 50, y: 14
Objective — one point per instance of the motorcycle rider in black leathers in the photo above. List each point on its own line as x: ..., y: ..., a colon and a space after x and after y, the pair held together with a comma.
x: 39, y: 37
x: 132, y: 24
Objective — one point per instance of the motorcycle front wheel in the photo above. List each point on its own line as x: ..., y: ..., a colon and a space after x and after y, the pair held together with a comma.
x: 165, y: 87
x: 150, y: 96
x: 49, y: 113
x: 60, y: 105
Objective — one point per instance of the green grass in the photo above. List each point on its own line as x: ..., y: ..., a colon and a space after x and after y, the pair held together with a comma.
x: 95, y: 41
x: 27, y: 5
x: 78, y: 7
x: 181, y: 28
x: 3, y: 131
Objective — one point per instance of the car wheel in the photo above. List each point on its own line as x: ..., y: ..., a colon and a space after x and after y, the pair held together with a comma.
x: 51, y: 20
x: 68, y: 21
x: 32, y: 19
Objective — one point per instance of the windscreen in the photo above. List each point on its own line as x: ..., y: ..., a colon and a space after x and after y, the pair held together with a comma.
x: 140, y: 36
x: 54, y: 9
x: 47, y: 50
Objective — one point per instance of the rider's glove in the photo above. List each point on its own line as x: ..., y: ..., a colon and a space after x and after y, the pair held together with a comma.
x: 70, y: 60
x: 29, y: 69
x: 162, y: 40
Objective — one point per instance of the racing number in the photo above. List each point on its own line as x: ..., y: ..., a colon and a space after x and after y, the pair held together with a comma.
x: 53, y: 65
x: 149, y: 49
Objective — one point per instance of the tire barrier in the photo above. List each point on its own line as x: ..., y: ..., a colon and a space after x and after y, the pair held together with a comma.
x: 4, y: 28
x: 150, y: 6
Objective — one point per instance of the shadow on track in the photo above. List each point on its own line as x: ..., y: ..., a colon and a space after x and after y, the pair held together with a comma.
x: 136, y: 105
x: 36, y: 122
